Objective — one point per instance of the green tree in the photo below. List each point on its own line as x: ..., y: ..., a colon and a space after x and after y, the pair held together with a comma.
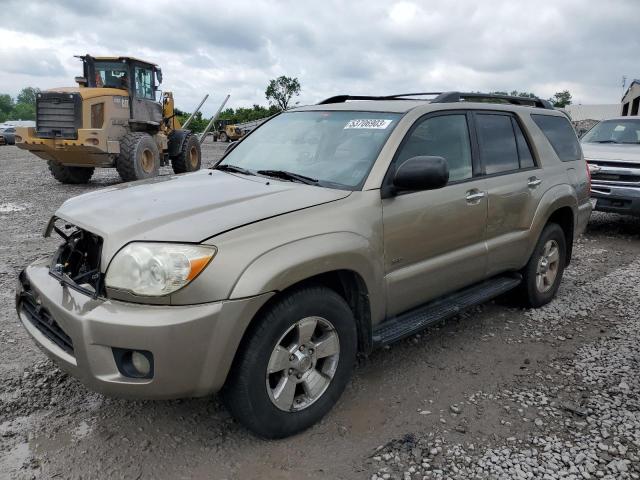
x: 6, y: 107
x: 23, y: 111
x: 28, y: 95
x: 515, y: 93
x: 281, y: 90
x: 561, y: 99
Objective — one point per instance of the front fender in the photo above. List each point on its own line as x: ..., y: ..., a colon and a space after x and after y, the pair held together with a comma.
x: 294, y: 262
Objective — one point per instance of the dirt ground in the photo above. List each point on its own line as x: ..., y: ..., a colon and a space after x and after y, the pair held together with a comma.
x: 497, y: 392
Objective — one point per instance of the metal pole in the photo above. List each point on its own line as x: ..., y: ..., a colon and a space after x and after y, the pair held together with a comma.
x: 203, y: 135
x: 186, y: 124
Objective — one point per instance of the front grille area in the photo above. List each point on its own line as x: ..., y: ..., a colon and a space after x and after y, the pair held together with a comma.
x: 77, y: 261
x: 41, y: 318
x: 615, y: 173
x: 58, y: 115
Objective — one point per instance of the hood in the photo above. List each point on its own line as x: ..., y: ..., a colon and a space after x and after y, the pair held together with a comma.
x: 626, y: 153
x: 186, y: 208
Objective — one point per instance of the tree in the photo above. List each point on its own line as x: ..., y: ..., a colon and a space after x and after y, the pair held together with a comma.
x: 6, y: 106
x: 23, y: 111
x: 561, y: 99
x: 28, y: 95
x: 281, y: 90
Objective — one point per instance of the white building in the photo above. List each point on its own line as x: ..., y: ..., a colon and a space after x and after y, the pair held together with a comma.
x: 592, y: 112
x: 631, y: 99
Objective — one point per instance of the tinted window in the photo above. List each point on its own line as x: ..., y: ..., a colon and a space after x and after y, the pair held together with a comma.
x: 445, y: 136
x: 498, y: 148
x: 614, y: 131
x: 561, y: 136
x: 524, y: 152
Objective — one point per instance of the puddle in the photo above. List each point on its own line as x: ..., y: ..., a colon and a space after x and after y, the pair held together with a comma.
x: 12, y: 207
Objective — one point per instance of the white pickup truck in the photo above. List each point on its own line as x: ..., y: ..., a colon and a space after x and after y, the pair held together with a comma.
x: 612, y: 150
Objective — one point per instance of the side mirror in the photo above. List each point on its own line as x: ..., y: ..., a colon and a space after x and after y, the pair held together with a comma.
x: 159, y: 75
x: 81, y: 81
x: 421, y: 173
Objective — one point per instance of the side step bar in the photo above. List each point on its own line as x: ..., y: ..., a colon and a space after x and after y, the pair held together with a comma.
x: 413, y: 321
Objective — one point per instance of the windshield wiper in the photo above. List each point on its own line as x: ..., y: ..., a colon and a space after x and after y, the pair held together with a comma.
x: 606, y: 141
x: 234, y: 168
x: 294, y: 177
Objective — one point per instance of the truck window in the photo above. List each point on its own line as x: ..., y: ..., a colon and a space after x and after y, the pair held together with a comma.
x: 498, y: 148
x: 445, y: 136
x: 144, y: 83
x: 561, y: 136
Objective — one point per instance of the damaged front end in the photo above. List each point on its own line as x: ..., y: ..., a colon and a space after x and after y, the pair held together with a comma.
x: 76, y: 263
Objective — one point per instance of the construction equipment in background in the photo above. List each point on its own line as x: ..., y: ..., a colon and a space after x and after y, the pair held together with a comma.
x: 111, y: 119
x: 228, y: 131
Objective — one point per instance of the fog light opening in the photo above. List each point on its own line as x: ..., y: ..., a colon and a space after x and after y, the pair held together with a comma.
x: 134, y: 363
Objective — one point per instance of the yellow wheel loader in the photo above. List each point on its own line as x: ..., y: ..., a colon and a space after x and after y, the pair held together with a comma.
x: 111, y: 119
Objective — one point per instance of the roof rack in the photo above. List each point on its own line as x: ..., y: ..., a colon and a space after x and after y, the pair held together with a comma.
x: 448, y: 97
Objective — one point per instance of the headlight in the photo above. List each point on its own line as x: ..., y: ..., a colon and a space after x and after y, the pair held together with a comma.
x: 156, y: 269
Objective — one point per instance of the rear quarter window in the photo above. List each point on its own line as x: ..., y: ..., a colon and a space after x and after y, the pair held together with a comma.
x: 561, y: 136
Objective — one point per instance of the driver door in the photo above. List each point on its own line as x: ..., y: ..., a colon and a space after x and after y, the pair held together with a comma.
x: 434, y: 240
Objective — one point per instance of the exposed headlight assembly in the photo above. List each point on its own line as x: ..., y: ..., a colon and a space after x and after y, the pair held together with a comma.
x: 157, y: 269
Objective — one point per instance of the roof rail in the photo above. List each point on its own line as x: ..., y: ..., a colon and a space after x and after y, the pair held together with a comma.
x: 453, y: 97
x: 448, y: 97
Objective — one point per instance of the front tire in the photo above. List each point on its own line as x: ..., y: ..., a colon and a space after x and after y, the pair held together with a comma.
x: 190, y: 157
x: 70, y: 175
x: 543, y: 273
x: 139, y: 157
x: 293, y: 364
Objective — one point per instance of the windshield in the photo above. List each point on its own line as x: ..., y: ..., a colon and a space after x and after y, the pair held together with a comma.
x: 111, y: 74
x: 614, y: 131
x: 336, y: 149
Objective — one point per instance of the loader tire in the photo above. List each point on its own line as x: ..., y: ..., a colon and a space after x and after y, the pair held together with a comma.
x: 70, y: 175
x: 190, y: 157
x: 139, y: 157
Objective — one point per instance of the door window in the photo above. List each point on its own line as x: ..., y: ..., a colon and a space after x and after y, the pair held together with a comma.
x: 445, y: 136
x: 524, y: 152
x: 144, y: 83
x: 498, y: 149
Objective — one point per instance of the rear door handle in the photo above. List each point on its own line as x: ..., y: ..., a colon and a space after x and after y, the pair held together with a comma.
x: 533, y: 182
x: 474, y: 196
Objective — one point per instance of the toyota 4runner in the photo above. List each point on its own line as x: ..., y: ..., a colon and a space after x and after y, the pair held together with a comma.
x: 328, y: 231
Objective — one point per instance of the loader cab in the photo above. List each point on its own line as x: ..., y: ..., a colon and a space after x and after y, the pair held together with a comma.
x: 139, y: 79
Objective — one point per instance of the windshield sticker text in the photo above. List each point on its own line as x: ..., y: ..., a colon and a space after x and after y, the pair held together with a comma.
x: 379, y: 124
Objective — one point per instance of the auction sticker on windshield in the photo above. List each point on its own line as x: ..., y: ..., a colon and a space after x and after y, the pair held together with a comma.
x: 376, y: 123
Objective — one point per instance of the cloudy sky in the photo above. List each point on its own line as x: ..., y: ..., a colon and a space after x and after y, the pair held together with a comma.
x: 358, y: 47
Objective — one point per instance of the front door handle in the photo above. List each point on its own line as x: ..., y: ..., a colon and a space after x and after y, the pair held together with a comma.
x: 474, y: 196
x: 533, y: 182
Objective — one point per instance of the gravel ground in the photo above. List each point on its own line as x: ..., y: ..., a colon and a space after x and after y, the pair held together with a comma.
x: 495, y: 393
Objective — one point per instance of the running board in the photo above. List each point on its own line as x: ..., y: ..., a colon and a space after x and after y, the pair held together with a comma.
x: 413, y: 321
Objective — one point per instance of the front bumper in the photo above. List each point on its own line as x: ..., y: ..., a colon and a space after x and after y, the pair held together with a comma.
x: 192, y: 346
x: 616, y: 199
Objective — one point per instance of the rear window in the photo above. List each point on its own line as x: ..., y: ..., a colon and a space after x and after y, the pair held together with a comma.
x: 561, y: 136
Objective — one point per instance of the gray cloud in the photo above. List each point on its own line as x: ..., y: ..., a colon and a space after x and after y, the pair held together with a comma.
x: 335, y: 47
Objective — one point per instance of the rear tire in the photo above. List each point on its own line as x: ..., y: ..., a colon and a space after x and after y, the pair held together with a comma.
x: 273, y: 396
x: 224, y: 137
x: 543, y: 273
x: 139, y: 157
x: 190, y: 157
x: 70, y: 175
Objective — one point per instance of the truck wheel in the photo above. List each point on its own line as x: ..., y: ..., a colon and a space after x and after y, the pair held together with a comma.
x: 543, y: 273
x: 190, y: 157
x: 139, y: 157
x: 224, y: 137
x: 74, y: 175
x: 294, y: 364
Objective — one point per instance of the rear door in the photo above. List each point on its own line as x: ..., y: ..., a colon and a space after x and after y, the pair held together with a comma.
x: 514, y: 185
x: 434, y: 240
